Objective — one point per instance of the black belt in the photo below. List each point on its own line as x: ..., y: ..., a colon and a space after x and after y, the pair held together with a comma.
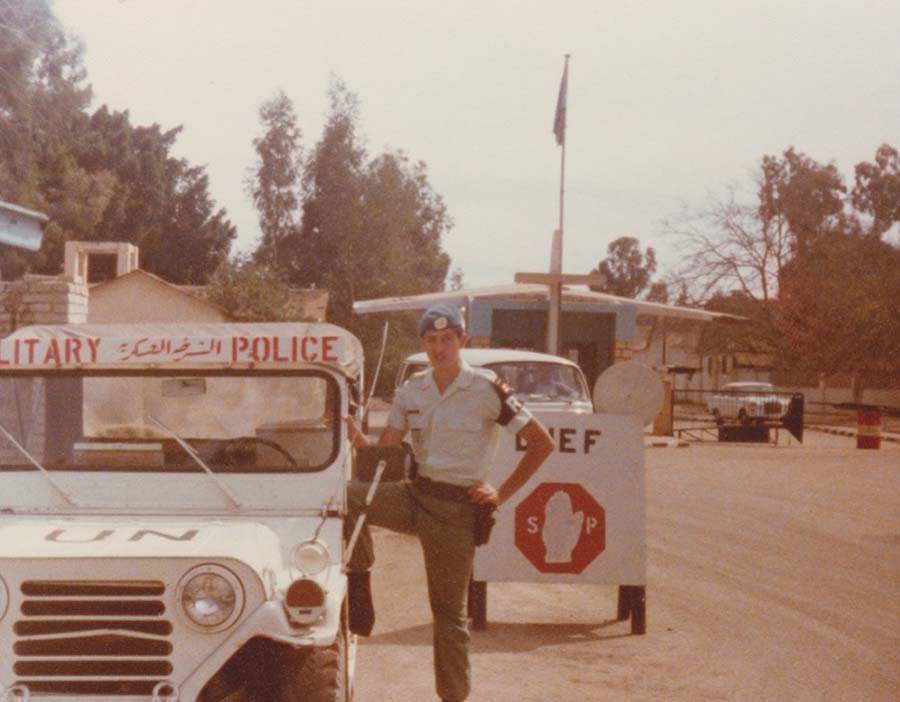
x: 442, y: 491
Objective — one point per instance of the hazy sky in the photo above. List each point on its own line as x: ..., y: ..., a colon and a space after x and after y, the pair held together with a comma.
x: 667, y: 100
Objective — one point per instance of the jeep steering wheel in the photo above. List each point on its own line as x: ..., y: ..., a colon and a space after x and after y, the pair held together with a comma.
x: 226, y: 450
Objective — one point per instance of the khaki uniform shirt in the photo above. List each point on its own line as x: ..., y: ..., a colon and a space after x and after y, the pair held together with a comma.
x: 454, y: 435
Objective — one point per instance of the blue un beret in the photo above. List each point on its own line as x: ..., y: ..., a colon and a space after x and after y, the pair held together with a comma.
x: 441, y: 316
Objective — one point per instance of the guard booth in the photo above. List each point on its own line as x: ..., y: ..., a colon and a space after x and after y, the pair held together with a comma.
x: 581, y: 518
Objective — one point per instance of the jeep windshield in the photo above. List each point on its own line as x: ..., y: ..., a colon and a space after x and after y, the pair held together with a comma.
x: 542, y: 381
x: 142, y: 421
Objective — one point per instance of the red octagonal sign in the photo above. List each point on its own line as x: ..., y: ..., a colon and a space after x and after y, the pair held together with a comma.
x: 560, y: 528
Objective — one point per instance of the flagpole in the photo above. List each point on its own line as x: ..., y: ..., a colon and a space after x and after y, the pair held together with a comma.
x: 554, y: 316
x: 562, y: 172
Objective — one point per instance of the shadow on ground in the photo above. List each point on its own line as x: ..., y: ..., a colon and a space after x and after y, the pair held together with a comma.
x: 510, y: 637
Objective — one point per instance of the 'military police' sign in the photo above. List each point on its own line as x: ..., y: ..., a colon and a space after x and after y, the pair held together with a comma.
x: 581, y: 517
x: 87, y: 350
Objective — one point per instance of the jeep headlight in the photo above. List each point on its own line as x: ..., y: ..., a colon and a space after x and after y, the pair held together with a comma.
x: 211, y: 597
x: 311, y: 557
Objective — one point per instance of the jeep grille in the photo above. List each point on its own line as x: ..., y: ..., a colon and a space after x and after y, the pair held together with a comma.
x: 92, y: 637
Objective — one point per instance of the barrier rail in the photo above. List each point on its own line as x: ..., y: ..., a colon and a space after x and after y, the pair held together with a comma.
x: 739, y: 414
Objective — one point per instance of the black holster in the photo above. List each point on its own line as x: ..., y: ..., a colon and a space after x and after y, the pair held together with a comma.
x: 484, y: 522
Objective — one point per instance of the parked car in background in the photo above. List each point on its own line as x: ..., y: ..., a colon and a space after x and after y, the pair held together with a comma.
x: 748, y: 402
x: 540, y: 380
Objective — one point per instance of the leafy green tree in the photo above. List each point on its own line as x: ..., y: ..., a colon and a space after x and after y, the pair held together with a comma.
x: 658, y: 292
x: 808, y: 195
x: 818, y: 283
x: 160, y: 203
x: 330, y: 249
x: 42, y: 98
x: 406, y: 220
x: 370, y: 228
x: 627, y: 270
x: 877, y: 190
x: 838, y: 307
x: 275, y: 184
x: 734, y: 244
x: 251, y: 291
x: 95, y: 175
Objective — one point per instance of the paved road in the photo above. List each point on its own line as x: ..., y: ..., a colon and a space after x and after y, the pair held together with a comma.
x: 774, y: 575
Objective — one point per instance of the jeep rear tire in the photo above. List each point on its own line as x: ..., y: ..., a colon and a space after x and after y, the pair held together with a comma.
x: 315, y: 674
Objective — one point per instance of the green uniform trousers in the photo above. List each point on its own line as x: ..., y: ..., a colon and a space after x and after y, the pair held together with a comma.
x: 444, y: 528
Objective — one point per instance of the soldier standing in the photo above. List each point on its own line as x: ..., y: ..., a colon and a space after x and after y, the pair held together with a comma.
x: 453, y: 413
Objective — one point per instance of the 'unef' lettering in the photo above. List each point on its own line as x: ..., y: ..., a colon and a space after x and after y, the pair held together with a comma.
x: 567, y: 442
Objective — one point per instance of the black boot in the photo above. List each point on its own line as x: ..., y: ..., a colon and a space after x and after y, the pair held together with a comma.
x: 362, y: 610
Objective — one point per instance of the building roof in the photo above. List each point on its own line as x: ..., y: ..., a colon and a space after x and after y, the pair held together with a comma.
x: 310, y: 304
x: 531, y: 291
x: 483, y: 357
x: 193, y: 291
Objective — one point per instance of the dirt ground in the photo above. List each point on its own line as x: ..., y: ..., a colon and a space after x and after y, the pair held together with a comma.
x: 773, y: 575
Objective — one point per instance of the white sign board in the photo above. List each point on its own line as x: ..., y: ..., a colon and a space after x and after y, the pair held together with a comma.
x: 20, y: 227
x: 581, y: 518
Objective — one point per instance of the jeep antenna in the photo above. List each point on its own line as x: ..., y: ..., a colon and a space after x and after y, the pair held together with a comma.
x: 190, y: 451
x: 384, y: 336
x: 68, y: 498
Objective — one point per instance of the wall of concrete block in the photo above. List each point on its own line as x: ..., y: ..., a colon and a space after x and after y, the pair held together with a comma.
x: 38, y: 299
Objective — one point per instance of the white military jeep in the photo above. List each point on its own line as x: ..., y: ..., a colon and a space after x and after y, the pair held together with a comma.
x: 171, y: 512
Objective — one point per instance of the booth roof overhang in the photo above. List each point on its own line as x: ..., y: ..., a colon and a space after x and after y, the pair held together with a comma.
x: 533, y: 291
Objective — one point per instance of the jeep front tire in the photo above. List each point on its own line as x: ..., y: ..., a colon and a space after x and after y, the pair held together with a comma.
x: 315, y: 674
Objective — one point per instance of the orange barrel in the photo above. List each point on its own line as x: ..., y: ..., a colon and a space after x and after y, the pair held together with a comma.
x: 868, y: 429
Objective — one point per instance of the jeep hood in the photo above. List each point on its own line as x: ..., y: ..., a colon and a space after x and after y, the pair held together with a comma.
x: 252, y: 543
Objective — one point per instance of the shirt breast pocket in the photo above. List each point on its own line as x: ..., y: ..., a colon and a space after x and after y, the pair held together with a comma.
x: 463, y: 424
x: 416, y: 424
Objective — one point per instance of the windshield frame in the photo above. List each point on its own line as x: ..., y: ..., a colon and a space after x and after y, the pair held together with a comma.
x: 332, y: 418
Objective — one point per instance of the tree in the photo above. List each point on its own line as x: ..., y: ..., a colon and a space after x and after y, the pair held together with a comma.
x: 275, y: 185
x: 730, y: 245
x: 877, y: 190
x: 330, y: 245
x: 160, y: 203
x: 95, y: 175
x: 407, y: 219
x: 251, y: 291
x: 746, y: 245
x: 369, y: 228
x: 820, y: 287
x: 658, y: 292
x: 627, y: 270
x: 42, y: 98
x: 838, y: 307
x: 809, y: 196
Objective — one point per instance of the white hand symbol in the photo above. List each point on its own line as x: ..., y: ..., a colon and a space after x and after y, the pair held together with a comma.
x: 562, y: 528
